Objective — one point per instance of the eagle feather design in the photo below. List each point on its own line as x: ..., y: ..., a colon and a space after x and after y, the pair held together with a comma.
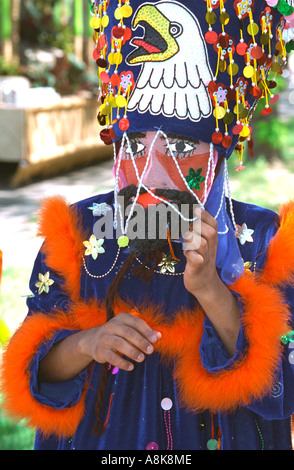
x: 174, y: 63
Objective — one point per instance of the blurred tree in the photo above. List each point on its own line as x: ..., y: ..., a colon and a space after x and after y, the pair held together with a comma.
x: 271, y: 133
x: 60, y: 28
x: 47, y: 24
x: 9, y: 30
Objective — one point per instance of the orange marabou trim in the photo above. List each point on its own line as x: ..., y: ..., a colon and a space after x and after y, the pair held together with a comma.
x: 64, y: 252
x: 15, y: 381
x: 265, y: 320
x: 61, y: 226
x: 280, y: 260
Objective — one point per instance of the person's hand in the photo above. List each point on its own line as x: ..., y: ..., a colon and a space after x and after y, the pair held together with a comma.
x: 200, y: 273
x: 124, y: 335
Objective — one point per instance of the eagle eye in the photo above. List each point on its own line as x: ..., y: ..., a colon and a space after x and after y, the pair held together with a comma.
x: 175, y: 29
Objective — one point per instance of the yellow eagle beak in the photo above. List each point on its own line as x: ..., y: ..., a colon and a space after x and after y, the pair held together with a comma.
x: 158, y: 44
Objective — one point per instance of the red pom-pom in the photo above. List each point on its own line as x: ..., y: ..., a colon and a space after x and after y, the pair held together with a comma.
x: 115, y: 80
x: 104, y: 77
x: 217, y: 137
x: 240, y: 168
x: 117, y: 32
x: 227, y: 141
x: 106, y: 136
x: 274, y: 99
x: 211, y: 37
x: 256, y: 52
x: 124, y: 124
x: 237, y: 129
x: 241, y: 48
x: 266, y: 111
x: 255, y: 91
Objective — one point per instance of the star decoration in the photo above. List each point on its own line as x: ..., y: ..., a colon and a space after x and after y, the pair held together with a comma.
x: 194, y: 178
x: 99, y: 209
x: 94, y: 247
x: 44, y: 283
x: 244, y: 234
x: 167, y: 263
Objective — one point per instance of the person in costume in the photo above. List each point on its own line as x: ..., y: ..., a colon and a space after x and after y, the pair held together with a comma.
x: 166, y: 343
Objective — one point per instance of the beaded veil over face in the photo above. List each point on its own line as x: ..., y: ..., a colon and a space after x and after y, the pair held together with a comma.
x: 196, y: 69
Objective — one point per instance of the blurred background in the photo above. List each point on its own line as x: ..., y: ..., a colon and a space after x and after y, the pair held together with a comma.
x: 49, y: 145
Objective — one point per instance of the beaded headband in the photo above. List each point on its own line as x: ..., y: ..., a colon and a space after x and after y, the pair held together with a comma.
x: 195, y: 68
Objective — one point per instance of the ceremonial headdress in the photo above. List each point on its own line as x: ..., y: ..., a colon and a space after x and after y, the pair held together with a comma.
x: 196, y: 68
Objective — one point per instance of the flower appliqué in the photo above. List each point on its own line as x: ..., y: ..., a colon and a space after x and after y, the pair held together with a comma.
x: 94, y: 247
x: 194, y: 178
x: 220, y: 95
x: 127, y: 80
x: 243, y: 7
x: 167, y: 263
x: 244, y: 234
x: 44, y: 283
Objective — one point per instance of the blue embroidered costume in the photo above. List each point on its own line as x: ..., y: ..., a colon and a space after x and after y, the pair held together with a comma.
x: 190, y: 394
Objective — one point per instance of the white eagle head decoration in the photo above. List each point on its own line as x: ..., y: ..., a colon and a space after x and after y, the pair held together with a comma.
x: 174, y: 63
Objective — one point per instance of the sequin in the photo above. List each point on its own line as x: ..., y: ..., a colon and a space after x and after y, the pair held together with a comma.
x: 194, y: 178
x: 94, y: 247
x: 244, y: 234
x: 247, y: 265
x: 152, y: 446
x: 114, y: 369
x: 166, y: 404
x: 99, y: 209
x: 44, y: 283
x: 287, y: 337
x: 167, y: 263
x: 212, y: 444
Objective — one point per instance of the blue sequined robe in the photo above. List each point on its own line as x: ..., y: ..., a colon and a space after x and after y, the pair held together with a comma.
x: 137, y: 418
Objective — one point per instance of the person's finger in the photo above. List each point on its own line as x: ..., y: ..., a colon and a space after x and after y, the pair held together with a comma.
x: 116, y: 360
x: 127, y: 340
x: 139, y: 325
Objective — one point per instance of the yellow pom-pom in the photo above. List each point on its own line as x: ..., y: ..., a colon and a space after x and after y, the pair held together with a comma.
x: 123, y: 241
x: 5, y: 332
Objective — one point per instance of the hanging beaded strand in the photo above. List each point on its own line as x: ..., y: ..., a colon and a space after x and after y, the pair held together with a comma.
x: 259, y: 61
x: 114, y: 89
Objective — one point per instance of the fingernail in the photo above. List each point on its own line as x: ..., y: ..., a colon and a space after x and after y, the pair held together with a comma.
x: 130, y: 367
x: 140, y: 357
x: 149, y: 349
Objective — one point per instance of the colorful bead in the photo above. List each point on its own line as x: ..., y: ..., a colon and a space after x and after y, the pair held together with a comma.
x: 123, y: 241
x: 212, y: 444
